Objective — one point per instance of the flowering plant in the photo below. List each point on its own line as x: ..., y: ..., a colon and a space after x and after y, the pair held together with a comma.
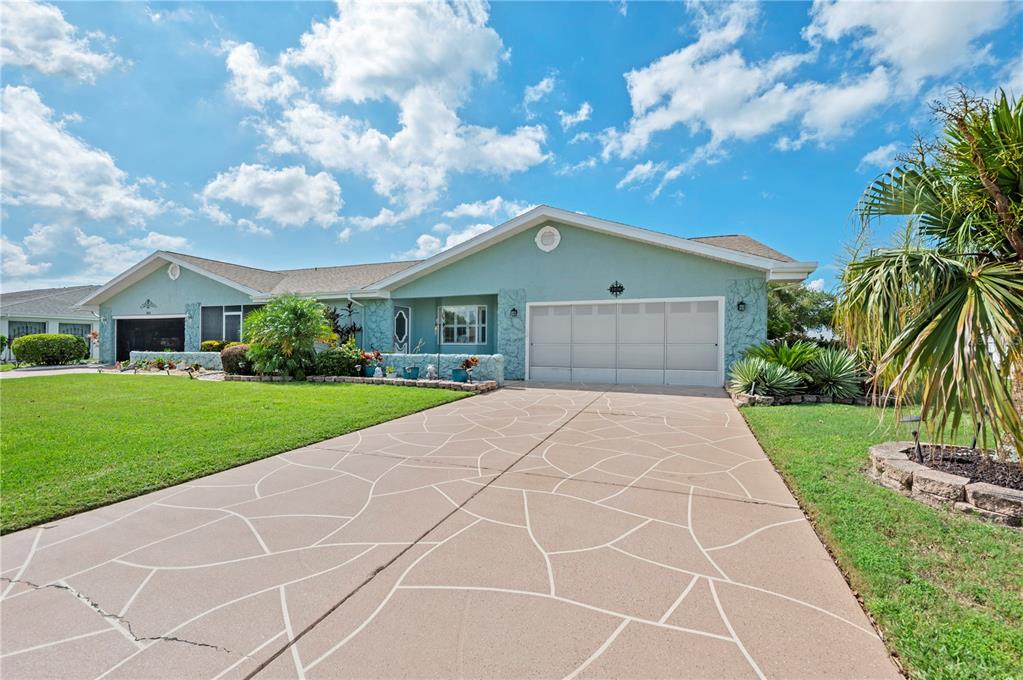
x: 470, y: 363
x: 372, y: 357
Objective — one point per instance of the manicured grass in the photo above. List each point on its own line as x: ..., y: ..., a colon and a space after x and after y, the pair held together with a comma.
x: 6, y: 367
x: 76, y: 442
x: 947, y: 590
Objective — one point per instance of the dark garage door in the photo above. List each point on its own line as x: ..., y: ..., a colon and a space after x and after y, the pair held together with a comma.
x: 151, y: 335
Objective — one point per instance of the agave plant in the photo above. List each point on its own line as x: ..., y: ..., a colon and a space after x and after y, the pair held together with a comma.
x: 835, y: 373
x: 794, y: 356
x: 753, y: 375
x: 942, y: 316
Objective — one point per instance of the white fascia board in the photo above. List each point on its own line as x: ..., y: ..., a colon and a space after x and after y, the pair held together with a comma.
x: 543, y: 213
x: 143, y: 269
x: 791, y: 271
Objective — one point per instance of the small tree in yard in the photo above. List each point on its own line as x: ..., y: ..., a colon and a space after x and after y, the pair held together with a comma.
x: 793, y: 310
x: 282, y: 335
x: 941, y: 316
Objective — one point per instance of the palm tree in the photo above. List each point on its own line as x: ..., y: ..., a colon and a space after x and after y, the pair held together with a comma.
x: 941, y: 316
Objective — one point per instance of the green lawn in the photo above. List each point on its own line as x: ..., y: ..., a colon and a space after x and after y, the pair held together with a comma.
x: 947, y: 590
x: 75, y: 442
x: 6, y: 367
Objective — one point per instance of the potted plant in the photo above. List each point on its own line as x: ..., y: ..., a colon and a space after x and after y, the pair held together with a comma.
x: 411, y: 372
x: 464, y: 371
x: 389, y: 371
x: 370, y: 360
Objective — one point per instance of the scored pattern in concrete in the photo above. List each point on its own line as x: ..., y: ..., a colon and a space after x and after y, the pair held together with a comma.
x: 637, y: 533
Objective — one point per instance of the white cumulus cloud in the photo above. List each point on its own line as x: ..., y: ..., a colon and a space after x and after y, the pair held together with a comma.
x: 497, y: 207
x: 428, y: 245
x: 882, y: 157
x: 15, y: 263
x: 288, y: 196
x: 37, y: 35
x: 48, y: 167
x: 252, y: 82
x: 572, y: 119
x: 534, y: 94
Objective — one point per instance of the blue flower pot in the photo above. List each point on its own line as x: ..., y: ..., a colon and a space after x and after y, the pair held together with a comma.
x: 459, y: 375
x: 368, y: 371
x: 412, y: 373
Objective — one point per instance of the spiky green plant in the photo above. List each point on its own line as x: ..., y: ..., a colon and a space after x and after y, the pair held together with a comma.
x: 793, y: 356
x: 753, y: 375
x: 942, y: 316
x: 835, y: 373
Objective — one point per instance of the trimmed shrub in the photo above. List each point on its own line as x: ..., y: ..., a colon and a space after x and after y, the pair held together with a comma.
x: 3, y: 342
x: 340, y: 360
x: 50, y: 349
x: 212, y: 346
x: 235, y: 360
x: 753, y: 375
x: 835, y: 373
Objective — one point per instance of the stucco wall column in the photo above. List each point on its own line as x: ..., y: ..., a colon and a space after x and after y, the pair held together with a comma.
x: 511, y: 331
x: 193, y: 326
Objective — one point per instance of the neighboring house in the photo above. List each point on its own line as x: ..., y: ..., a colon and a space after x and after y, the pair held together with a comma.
x: 47, y: 310
x: 563, y: 296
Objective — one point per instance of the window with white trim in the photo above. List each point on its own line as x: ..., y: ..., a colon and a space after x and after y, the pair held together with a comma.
x: 464, y: 325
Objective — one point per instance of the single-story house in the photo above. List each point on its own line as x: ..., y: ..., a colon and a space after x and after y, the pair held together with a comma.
x: 563, y: 296
x: 47, y: 310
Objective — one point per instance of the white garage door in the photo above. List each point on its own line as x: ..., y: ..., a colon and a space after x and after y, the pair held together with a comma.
x: 673, y: 342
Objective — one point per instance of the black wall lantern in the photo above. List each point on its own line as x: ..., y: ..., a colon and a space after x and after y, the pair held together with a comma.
x: 513, y: 313
x: 741, y: 306
x: 616, y: 289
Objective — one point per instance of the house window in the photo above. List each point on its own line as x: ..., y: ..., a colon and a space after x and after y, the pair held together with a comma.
x: 233, y: 323
x: 464, y: 325
x: 80, y: 329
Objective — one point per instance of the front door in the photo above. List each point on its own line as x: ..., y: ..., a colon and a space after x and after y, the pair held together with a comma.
x: 402, y: 328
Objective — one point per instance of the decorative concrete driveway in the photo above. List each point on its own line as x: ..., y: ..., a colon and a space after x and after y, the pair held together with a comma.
x: 530, y: 532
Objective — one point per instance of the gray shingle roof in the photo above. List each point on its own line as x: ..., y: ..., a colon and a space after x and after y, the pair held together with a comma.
x: 743, y: 244
x: 46, y: 302
x: 302, y: 281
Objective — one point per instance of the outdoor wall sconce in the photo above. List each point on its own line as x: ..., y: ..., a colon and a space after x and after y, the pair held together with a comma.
x: 741, y: 306
x: 514, y: 312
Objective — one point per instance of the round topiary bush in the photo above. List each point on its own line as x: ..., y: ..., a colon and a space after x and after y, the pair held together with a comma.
x: 50, y: 349
x: 235, y: 360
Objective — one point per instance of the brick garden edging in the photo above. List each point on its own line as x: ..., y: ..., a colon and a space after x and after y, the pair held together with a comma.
x: 891, y: 466
x: 477, y: 387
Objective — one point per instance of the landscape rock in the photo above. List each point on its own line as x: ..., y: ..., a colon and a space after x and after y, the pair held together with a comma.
x: 942, y: 484
x: 996, y: 499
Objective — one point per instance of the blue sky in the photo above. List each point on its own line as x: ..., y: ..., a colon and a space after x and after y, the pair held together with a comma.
x: 302, y: 134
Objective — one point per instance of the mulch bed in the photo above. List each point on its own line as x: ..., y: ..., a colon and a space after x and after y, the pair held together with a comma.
x: 965, y: 462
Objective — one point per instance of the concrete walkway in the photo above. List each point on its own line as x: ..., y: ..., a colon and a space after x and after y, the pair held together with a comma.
x: 533, y: 532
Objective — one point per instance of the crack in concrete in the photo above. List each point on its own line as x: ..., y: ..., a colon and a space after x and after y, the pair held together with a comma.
x: 117, y: 617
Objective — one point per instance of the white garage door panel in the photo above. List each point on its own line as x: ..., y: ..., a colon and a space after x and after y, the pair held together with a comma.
x: 593, y: 356
x: 651, y: 342
x: 703, y: 357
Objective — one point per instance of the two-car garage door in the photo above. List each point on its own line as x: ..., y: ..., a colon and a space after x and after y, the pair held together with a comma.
x: 673, y: 342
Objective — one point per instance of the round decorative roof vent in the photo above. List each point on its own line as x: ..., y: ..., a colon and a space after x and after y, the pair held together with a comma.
x: 547, y: 239
x: 173, y: 271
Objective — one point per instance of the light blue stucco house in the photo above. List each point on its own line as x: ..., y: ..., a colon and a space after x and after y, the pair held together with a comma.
x: 563, y: 296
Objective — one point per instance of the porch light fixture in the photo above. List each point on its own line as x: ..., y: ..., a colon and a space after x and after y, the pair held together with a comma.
x: 616, y: 288
x: 741, y: 306
x: 513, y: 313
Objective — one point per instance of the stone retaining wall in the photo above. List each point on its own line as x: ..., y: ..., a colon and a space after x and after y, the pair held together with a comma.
x: 210, y: 360
x: 478, y: 387
x: 258, y: 378
x: 891, y: 466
